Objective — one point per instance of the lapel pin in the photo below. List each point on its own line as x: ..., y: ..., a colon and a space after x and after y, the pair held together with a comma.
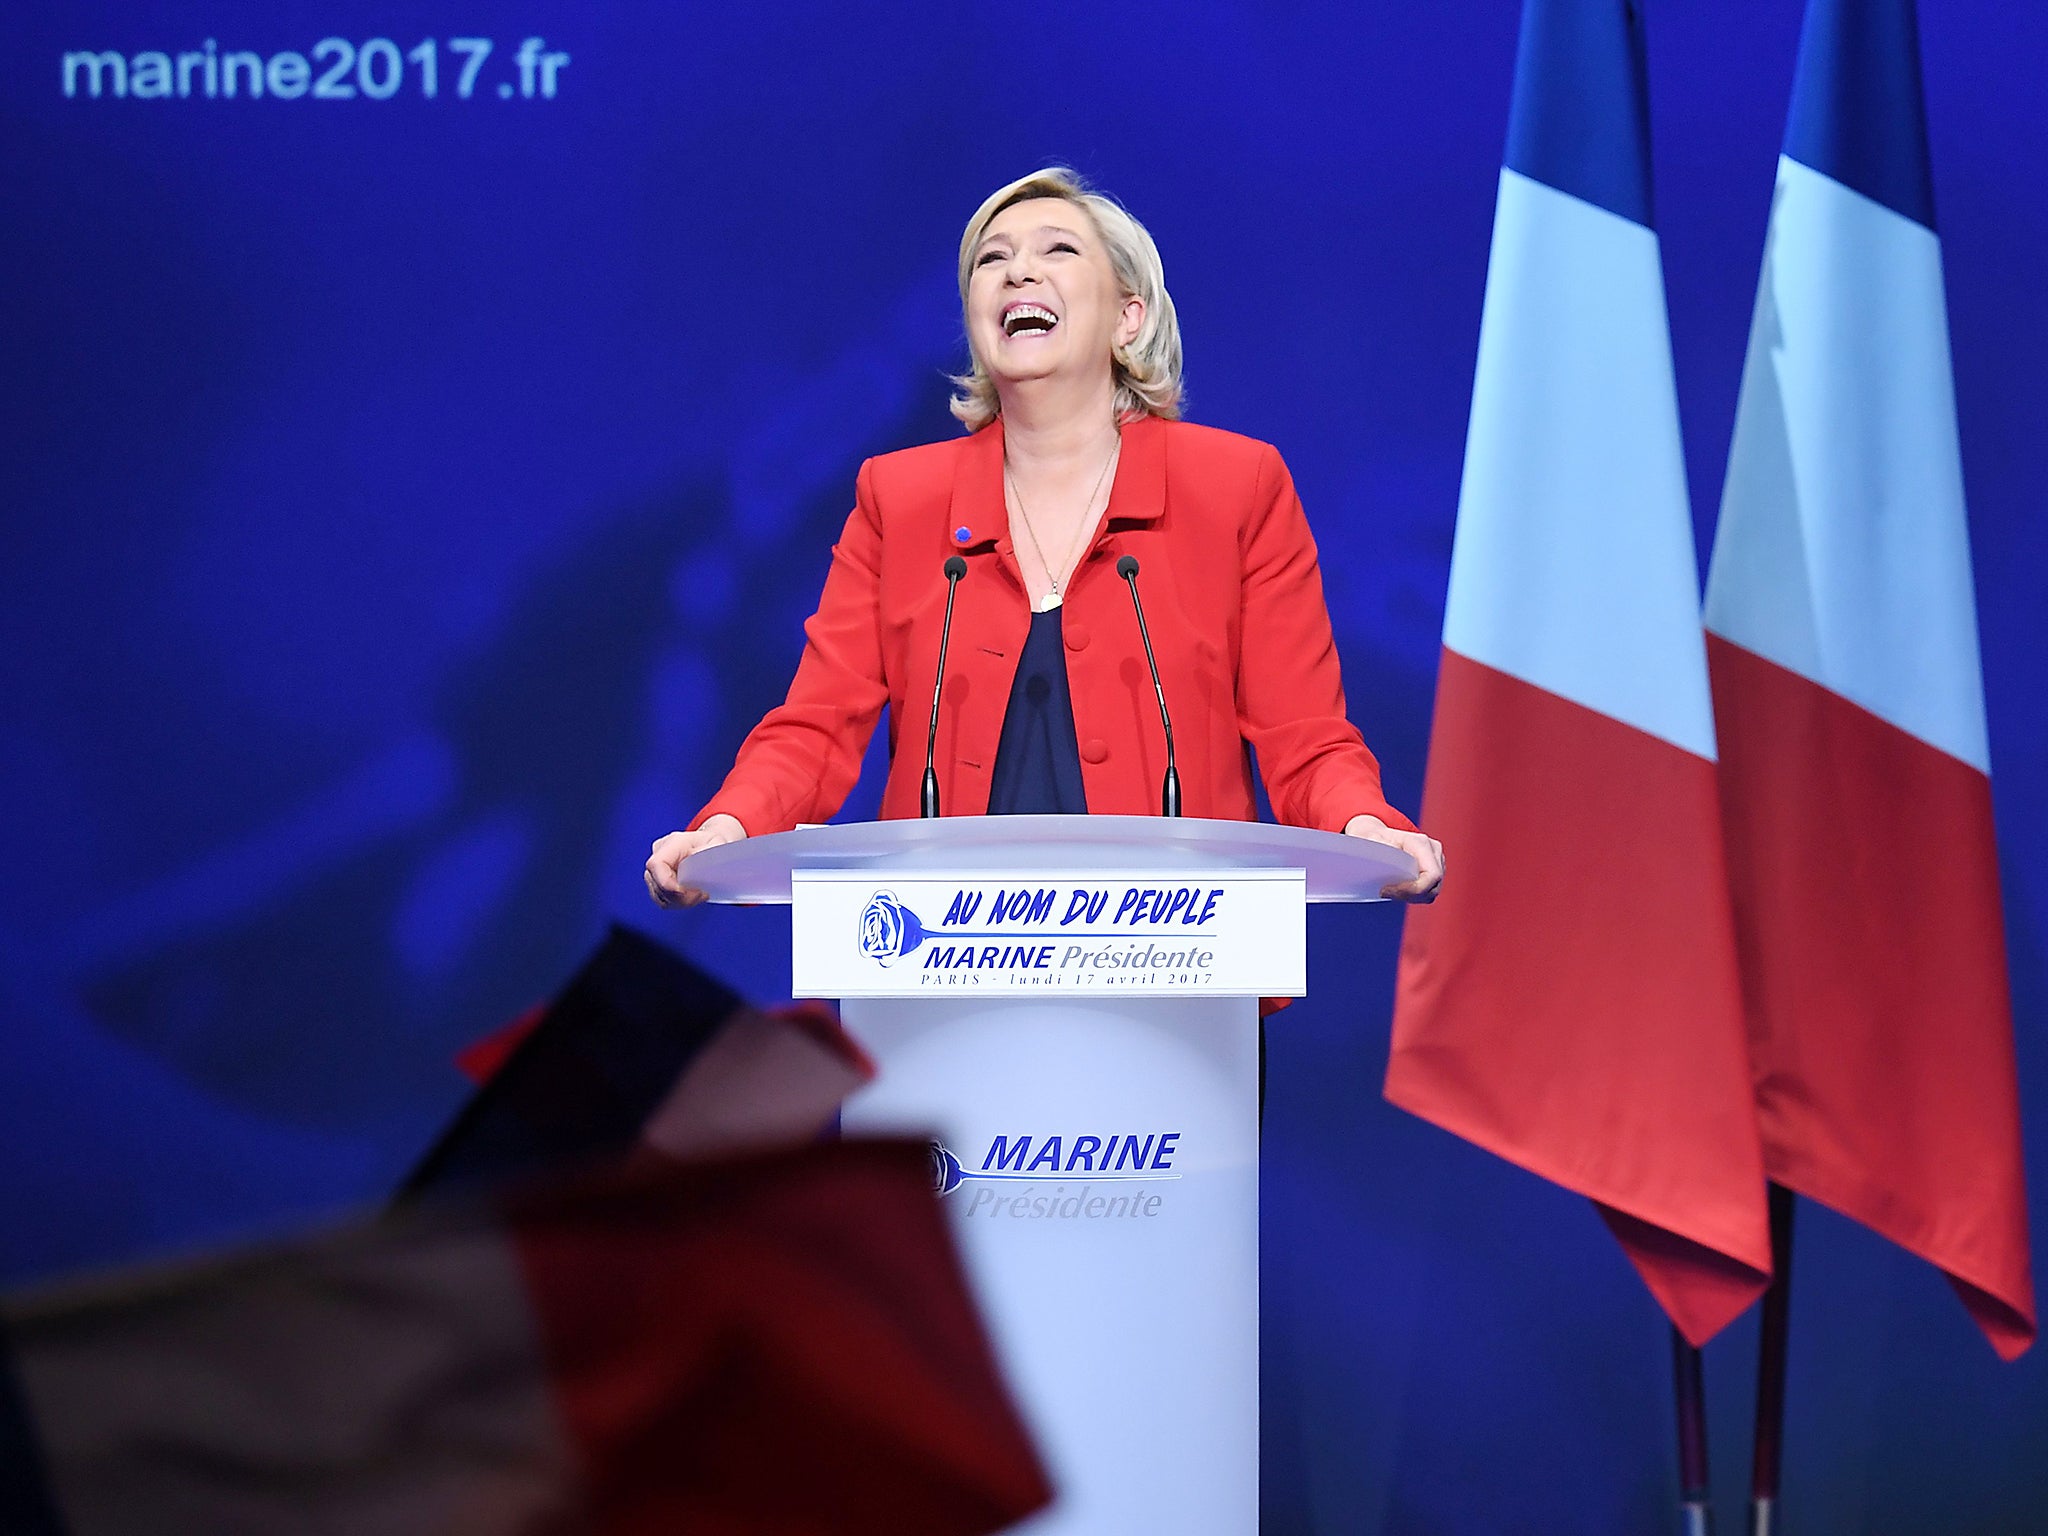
x: 962, y: 534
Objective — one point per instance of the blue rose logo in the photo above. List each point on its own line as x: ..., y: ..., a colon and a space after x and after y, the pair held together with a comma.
x: 946, y: 1174
x: 888, y: 929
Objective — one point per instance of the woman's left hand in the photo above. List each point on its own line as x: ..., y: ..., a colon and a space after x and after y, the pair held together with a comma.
x: 1427, y: 852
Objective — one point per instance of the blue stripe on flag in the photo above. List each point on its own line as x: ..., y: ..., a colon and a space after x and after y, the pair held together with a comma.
x: 1857, y: 116
x: 26, y: 1506
x: 1580, y: 121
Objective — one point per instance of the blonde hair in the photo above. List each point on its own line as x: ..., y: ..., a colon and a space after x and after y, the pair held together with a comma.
x: 1147, y: 372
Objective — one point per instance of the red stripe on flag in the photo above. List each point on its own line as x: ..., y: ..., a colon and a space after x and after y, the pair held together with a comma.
x: 480, y: 1060
x: 1571, y: 1003
x: 780, y: 1344
x: 1865, y: 872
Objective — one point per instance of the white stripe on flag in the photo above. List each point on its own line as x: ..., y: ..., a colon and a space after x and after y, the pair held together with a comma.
x: 1842, y: 553
x: 1574, y: 567
x: 388, y: 1384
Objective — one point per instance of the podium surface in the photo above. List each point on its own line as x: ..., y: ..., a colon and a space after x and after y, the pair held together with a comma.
x: 760, y: 869
x: 1067, y: 1008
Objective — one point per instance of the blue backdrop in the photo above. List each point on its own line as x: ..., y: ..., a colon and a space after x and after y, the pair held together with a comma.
x: 409, y: 502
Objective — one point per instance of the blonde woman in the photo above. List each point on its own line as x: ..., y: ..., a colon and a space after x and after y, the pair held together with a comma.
x: 1075, y: 456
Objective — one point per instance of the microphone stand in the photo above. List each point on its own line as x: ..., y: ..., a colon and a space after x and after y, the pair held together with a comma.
x: 1169, y: 789
x: 928, y: 791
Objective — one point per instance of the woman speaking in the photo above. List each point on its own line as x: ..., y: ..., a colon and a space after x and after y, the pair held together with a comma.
x: 1075, y: 458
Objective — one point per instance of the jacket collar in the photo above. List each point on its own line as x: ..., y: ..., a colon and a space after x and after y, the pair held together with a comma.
x: 1139, y: 495
x: 976, y: 517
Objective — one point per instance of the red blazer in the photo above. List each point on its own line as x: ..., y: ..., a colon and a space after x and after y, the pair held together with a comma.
x: 1232, y: 593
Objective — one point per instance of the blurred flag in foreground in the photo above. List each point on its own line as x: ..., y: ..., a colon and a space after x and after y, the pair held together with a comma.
x: 1572, y: 1003
x: 642, y: 1050
x: 1843, y: 638
x: 783, y: 1344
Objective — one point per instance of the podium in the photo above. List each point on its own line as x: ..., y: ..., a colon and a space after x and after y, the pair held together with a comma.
x: 1067, y: 1007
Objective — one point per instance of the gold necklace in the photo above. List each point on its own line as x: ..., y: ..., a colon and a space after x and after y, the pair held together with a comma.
x: 1087, y: 522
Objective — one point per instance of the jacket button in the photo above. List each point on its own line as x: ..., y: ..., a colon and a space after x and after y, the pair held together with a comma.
x: 1077, y: 637
x: 1094, y: 749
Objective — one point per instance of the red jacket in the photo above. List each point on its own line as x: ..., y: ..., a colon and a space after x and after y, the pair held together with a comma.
x: 1233, y: 595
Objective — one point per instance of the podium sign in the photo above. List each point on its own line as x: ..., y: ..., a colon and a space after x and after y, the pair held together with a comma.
x: 1098, y: 1160
x: 1037, y: 933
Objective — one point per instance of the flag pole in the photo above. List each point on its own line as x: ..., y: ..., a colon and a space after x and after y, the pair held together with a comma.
x: 1770, y: 1371
x: 1695, y: 1499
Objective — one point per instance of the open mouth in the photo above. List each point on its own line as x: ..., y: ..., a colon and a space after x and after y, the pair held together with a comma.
x: 1028, y: 320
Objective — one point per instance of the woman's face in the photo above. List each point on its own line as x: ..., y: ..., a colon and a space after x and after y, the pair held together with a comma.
x: 1042, y: 299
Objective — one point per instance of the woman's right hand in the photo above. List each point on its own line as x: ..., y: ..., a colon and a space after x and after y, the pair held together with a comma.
x: 664, y: 882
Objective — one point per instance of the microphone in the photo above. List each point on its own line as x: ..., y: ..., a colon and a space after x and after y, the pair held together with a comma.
x: 1169, y: 789
x: 928, y: 792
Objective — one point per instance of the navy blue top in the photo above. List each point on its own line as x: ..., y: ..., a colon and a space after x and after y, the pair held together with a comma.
x: 1038, y: 762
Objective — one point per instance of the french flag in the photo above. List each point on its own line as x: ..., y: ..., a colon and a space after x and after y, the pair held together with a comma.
x: 1843, y: 640
x: 1572, y: 1004
x: 781, y: 1344
x: 628, y: 1291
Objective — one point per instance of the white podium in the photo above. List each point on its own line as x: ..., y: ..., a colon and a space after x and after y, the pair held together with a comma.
x: 1067, y: 1006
